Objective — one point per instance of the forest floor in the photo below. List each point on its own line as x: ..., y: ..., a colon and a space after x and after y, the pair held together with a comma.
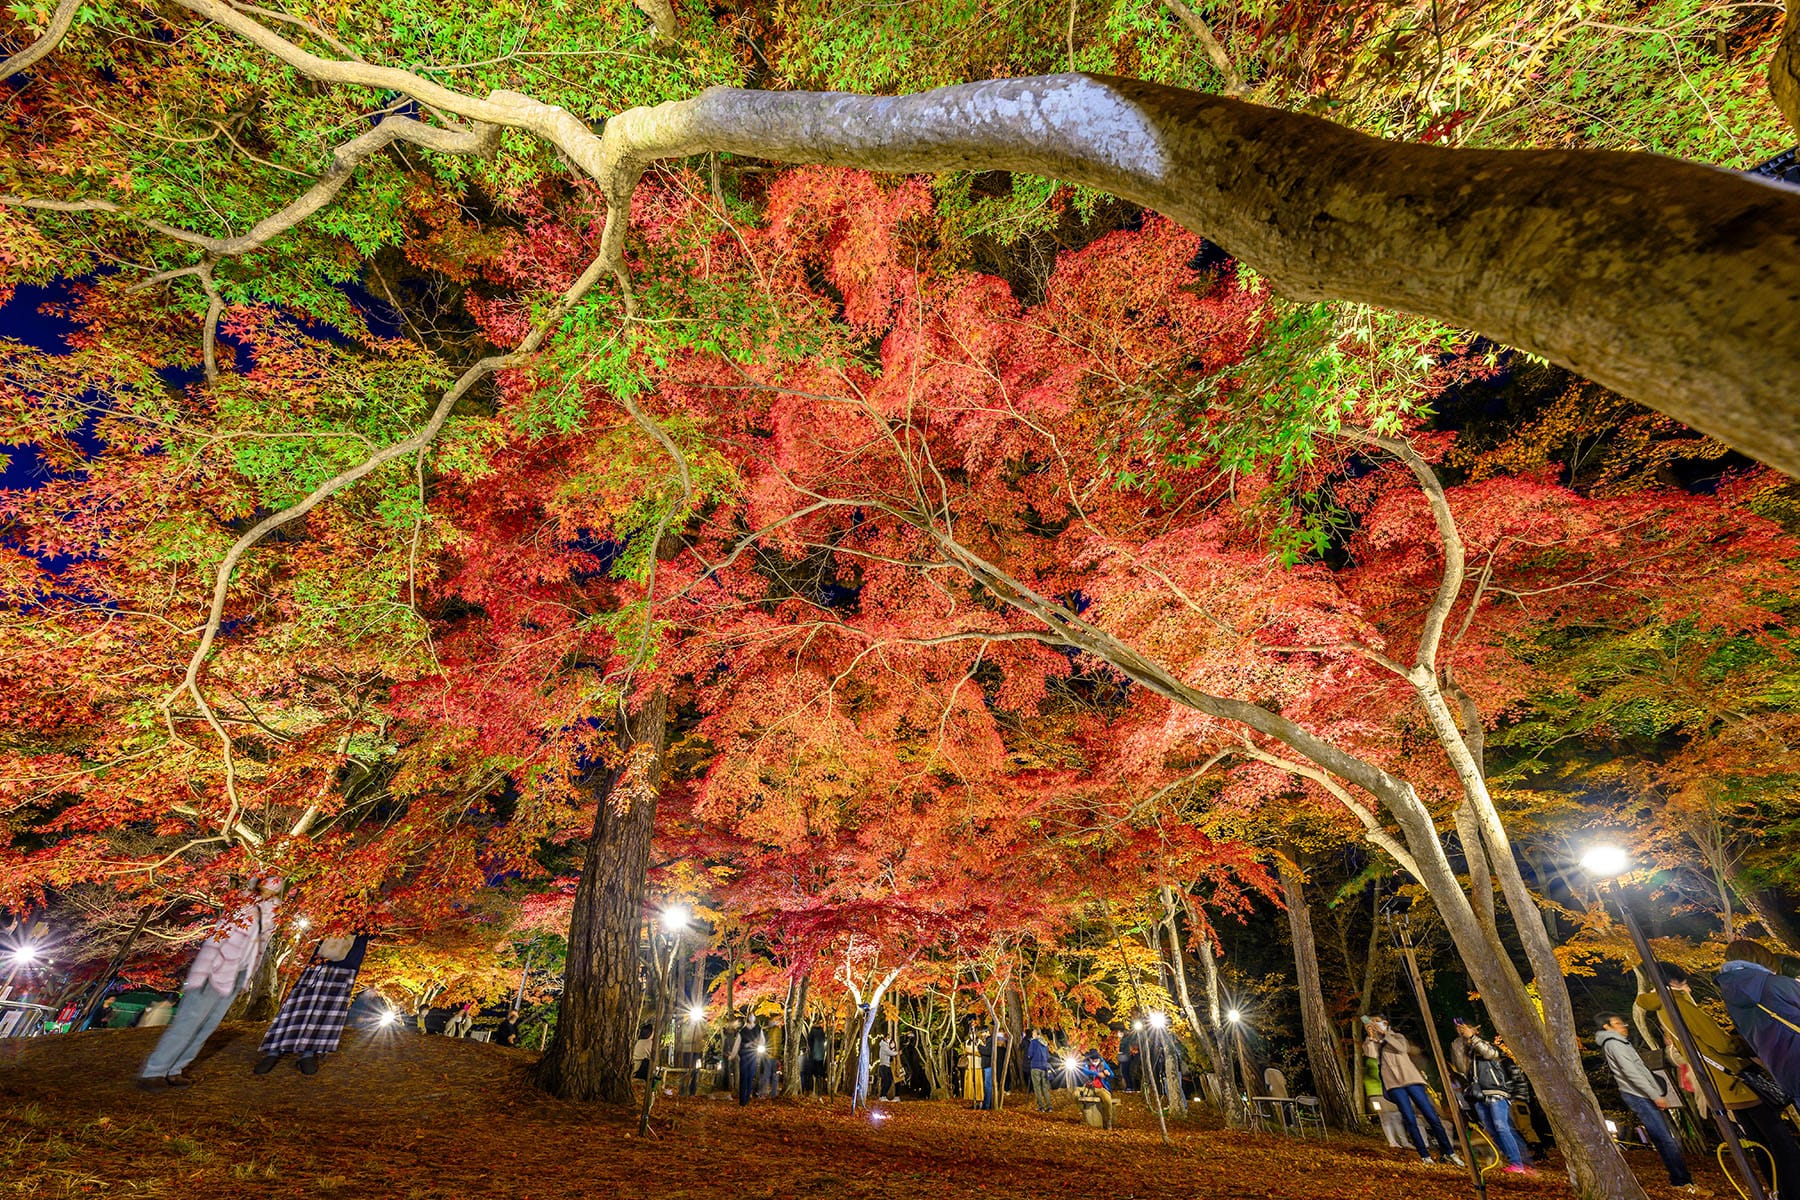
x: 437, y: 1119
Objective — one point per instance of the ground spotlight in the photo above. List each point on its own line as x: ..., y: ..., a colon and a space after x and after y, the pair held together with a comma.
x: 1159, y: 1020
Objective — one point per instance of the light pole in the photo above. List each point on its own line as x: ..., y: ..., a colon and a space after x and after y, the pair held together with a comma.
x: 1235, y: 1019
x: 1400, y: 927
x: 1604, y: 864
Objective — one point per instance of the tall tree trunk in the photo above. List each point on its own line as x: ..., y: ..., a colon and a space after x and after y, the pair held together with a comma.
x: 1321, y: 1044
x: 793, y: 1045
x: 590, y: 1056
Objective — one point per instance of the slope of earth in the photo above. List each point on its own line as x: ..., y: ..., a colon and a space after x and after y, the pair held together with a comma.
x: 436, y: 1119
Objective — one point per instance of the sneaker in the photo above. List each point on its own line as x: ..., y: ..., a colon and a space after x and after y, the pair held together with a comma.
x: 266, y: 1065
x: 1456, y: 1160
x: 177, y: 1081
x: 1694, y: 1189
x: 1518, y: 1169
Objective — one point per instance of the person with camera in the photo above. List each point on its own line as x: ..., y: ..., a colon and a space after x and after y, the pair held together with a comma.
x: 1484, y: 1081
x: 1404, y: 1084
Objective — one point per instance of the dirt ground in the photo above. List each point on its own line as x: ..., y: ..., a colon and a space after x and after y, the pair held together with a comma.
x: 395, y: 1115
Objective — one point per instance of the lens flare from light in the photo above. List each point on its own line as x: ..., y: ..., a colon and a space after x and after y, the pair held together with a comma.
x: 1071, y: 1063
x: 675, y: 918
x: 24, y: 956
x: 1234, y: 1016
x: 697, y: 1014
x: 388, y: 1019
x: 1606, y: 861
x: 1159, y: 1020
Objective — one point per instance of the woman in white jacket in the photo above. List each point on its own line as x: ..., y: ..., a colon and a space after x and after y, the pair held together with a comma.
x: 224, y: 966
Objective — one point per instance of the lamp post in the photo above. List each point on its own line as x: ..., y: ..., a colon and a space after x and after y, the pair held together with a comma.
x: 1400, y: 928
x: 1605, y: 864
x: 1235, y: 1019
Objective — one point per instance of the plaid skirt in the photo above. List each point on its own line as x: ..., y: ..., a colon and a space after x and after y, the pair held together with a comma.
x: 312, y: 1017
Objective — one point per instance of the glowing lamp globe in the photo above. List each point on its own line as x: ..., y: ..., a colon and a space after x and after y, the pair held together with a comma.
x: 1234, y: 1016
x: 675, y: 918
x: 1159, y: 1020
x: 1606, y: 862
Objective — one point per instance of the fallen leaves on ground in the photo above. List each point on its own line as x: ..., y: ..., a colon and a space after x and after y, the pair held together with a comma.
x: 395, y: 1115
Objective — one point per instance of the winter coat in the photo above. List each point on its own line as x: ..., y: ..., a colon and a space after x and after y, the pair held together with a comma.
x: 818, y: 1046
x: 1479, y: 1065
x: 1724, y: 1051
x: 1627, y: 1066
x: 1037, y: 1055
x: 1395, y: 1058
x: 884, y: 1052
x: 1749, y: 989
x: 229, y: 955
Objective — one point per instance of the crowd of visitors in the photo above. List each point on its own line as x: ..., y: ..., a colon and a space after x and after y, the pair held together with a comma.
x: 1754, y: 1061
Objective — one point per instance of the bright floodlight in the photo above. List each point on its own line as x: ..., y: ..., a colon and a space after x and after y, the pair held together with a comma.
x: 1138, y: 1025
x: 675, y: 918
x: 1234, y: 1016
x: 1159, y: 1020
x: 388, y: 1017
x: 1606, y: 862
x: 1071, y: 1063
x: 303, y: 924
x: 697, y: 1013
x: 24, y: 956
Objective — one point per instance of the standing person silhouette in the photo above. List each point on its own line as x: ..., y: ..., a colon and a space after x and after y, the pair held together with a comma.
x: 223, y: 967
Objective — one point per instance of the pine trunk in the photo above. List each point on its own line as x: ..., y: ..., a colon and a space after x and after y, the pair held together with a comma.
x: 590, y: 1056
x: 1321, y: 1044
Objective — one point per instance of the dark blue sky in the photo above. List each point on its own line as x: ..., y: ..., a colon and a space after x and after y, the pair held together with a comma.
x: 21, y: 321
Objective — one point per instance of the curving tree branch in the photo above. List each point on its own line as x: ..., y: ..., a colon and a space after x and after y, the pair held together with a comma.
x: 1670, y: 282
x: 53, y: 34
x: 190, y: 683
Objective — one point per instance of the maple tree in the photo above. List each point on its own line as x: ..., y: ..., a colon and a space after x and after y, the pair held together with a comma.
x: 918, y: 611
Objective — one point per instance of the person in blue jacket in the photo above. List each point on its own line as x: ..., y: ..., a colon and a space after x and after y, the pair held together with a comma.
x: 1765, y: 1007
x: 1037, y: 1061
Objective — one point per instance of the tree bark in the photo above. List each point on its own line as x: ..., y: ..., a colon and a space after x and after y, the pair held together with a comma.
x: 1315, y: 1021
x: 1784, y: 69
x: 590, y: 1056
x: 1673, y: 283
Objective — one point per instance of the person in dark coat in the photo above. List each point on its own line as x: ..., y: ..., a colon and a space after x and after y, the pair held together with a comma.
x: 814, y: 1073
x: 989, y: 1043
x: 1037, y: 1062
x: 507, y: 1032
x: 750, y: 1049
x: 1765, y: 1007
x: 312, y: 1017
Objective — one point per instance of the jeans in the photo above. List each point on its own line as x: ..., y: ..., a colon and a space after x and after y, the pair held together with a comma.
x: 1661, y: 1136
x: 1495, y: 1115
x: 1413, y: 1100
x: 747, y: 1073
x: 1765, y: 1126
x: 199, y: 1013
x: 767, y: 1074
x: 884, y: 1081
x: 1040, y: 1087
x: 987, y: 1087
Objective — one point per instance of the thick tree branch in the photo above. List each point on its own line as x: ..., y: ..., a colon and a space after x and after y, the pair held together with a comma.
x: 1675, y: 284
x: 60, y: 20
x: 1372, y: 830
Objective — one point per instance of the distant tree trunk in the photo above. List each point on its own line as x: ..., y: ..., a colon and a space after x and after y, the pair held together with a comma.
x: 590, y: 1056
x: 1784, y: 68
x: 1777, y: 926
x: 794, y: 1044
x: 1321, y: 1042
